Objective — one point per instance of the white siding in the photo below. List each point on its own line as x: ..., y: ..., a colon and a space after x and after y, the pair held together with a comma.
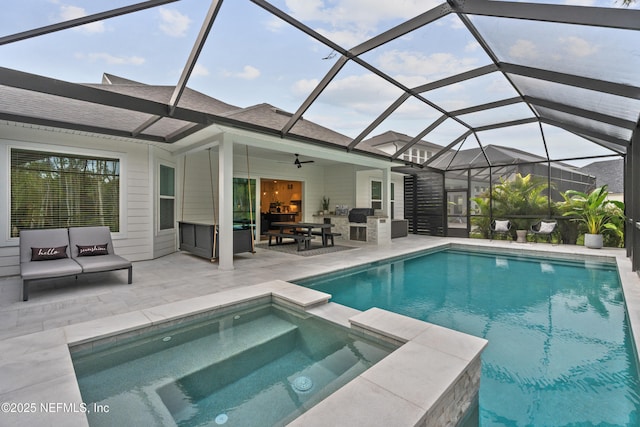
x: 340, y: 185
x: 196, y: 186
x: 363, y: 191
x: 198, y: 206
x: 134, y: 241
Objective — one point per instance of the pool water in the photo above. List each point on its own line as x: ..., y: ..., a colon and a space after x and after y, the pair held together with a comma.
x: 560, y: 351
x: 259, y: 367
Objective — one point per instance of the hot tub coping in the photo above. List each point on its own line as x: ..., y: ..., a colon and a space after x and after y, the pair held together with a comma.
x: 402, y: 385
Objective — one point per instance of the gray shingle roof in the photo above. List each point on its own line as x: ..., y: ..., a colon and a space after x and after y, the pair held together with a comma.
x: 609, y: 172
x: 393, y: 136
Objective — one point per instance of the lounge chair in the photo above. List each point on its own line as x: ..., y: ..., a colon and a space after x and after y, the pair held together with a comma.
x: 60, y: 252
x: 500, y: 227
x: 45, y: 254
x: 544, y: 228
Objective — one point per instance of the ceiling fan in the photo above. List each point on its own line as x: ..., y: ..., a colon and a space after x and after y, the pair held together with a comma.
x: 298, y: 163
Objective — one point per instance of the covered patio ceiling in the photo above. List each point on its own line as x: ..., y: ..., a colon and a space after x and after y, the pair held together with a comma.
x: 555, y: 80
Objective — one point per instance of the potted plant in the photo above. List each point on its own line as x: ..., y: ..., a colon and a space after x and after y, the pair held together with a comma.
x: 325, y: 205
x: 595, y: 213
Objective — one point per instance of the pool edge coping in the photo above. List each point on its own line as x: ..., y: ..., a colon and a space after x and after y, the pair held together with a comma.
x: 31, y: 353
x: 51, y: 379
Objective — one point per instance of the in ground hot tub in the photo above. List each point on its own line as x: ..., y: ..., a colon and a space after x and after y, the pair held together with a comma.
x: 260, y: 366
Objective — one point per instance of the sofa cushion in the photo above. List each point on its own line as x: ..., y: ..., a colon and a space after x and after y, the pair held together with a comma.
x: 93, y: 264
x: 51, y: 268
x: 42, y: 238
x: 49, y: 253
x: 502, y: 225
x: 547, y: 227
x: 92, y: 250
x: 89, y: 236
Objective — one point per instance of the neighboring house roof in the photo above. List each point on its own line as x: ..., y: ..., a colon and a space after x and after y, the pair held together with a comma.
x: 391, y: 137
x: 497, y: 155
x: 609, y: 172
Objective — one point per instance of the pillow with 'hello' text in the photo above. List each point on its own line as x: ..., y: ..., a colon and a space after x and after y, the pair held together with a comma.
x: 46, y: 254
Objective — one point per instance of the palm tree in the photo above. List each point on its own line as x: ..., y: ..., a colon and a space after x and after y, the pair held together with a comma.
x: 480, y: 218
x: 523, y: 196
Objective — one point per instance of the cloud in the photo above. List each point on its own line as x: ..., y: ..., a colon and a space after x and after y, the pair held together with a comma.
x: 427, y: 67
x: 275, y: 25
x: 580, y: 2
x: 351, y: 22
x: 173, y: 23
x: 366, y: 93
x: 112, y: 59
x: 472, y: 46
x: 523, y: 49
x: 199, y: 70
x: 304, y: 87
x: 248, y: 73
x: 68, y: 13
x: 576, y: 46
x: 362, y: 12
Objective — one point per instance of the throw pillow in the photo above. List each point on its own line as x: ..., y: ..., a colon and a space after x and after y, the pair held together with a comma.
x: 92, y: 250
x: 502, y: 225
x: 45, y: 254
x: 547, y: 227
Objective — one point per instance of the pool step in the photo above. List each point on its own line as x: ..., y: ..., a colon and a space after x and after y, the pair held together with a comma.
x: 185, y: 391
x: 283, y: 388
x: 157, y: 369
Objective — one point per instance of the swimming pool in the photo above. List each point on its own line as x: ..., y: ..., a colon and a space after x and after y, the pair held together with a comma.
x: 255, y: 367
x: 560, y: 351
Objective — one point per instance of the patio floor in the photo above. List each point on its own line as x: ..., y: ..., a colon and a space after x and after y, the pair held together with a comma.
x: 181, y: 276
x: 38, y: 366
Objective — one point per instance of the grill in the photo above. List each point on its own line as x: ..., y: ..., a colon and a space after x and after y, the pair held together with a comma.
x: 360, y: 214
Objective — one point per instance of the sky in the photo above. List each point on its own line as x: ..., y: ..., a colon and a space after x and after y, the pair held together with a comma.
x: 252, y: 57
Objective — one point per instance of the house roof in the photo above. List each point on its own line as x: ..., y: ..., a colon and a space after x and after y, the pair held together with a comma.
x: 390, y: 137
x: 607, y: 172
x: 493, y: 155
x: 593, y: 95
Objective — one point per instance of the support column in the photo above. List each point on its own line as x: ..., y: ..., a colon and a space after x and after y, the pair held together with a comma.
x: 633, y: 205
x: 225, y: 196
x: 386, y: 192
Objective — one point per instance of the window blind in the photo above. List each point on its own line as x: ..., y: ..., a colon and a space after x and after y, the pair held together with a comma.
x: 53, y: 190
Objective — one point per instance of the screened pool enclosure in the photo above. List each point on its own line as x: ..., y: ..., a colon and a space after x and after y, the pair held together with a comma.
x: 559, y: 83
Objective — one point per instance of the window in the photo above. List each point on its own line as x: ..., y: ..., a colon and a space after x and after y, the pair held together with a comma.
x: 54, y: 190
x: 376, y: 194
x: 244, y: 203
x: 167, y: 197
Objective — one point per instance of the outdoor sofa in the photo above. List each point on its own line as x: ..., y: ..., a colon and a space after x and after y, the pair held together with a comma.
x: 60, y: 252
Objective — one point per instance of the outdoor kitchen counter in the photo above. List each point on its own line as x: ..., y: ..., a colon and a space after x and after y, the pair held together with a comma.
x: 376, y: 229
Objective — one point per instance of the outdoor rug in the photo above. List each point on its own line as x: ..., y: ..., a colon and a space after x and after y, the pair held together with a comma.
x: 292, y: 248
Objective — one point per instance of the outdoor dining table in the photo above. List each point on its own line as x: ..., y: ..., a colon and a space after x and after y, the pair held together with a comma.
x: 304, y: 228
